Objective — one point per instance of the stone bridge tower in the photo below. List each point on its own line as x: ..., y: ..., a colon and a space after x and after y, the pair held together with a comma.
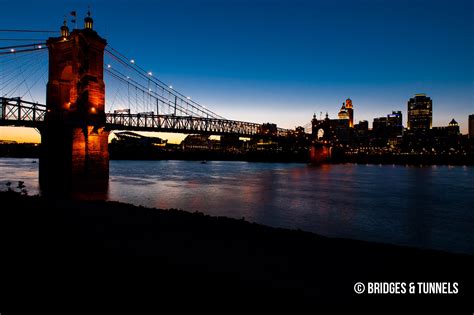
x: 74, y: 140
x: 320, y: 149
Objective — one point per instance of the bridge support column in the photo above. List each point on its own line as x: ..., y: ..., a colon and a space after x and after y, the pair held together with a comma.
x: 90, y: 155
x: 320, y: 154
x: 74, y: 140
x: 74, y: 159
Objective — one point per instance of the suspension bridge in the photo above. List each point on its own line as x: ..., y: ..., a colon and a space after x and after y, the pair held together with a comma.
x: 75, y: 117
x: 136, y: 98
x: 20, y: 113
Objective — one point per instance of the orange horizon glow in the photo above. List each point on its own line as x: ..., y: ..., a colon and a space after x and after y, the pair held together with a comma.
x: 32, y: 135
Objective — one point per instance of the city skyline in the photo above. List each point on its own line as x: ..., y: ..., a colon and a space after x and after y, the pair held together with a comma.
x: 281, y: 63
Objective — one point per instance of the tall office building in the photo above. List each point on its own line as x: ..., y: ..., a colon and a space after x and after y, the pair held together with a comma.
x: 420, y: 113
x: 471, y: 126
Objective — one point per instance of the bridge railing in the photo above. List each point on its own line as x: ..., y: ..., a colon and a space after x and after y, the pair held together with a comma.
x: 185, y: 124
x: 20, y: 111
x: 15, y: 111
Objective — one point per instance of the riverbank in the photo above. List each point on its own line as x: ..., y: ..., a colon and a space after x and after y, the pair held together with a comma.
x: 85, y: 251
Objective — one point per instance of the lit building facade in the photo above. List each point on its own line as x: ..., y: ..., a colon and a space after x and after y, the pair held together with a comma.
x: 420, y: 113
x: 343, y: 114
x: 347, y: 112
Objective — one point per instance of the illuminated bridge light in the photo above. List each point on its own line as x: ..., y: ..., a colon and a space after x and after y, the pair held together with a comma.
x: 12, y: 50
x: 109, y: 66
x: 188, y: 97
x: 40, y: 46
x: 132, y: 61
x: 171, y: 87
x: 150, y: 73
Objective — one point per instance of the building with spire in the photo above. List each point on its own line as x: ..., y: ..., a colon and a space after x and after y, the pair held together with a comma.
x: 347, y: 112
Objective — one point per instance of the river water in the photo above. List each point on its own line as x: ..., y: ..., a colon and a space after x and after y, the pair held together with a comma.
x: 430, y: 207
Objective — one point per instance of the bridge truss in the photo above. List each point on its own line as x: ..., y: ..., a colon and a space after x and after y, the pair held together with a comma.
x: 17, y: 112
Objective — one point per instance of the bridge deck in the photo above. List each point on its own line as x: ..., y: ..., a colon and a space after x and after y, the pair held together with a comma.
x: 16, y: 112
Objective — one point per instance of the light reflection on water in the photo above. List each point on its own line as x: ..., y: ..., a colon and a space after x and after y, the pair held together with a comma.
x: 419, y: 206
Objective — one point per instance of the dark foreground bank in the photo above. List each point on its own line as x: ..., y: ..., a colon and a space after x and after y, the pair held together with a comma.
x: 64, y: 256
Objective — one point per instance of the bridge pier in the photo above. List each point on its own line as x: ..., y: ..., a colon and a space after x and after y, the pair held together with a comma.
x: 320, y: 154
x: 74, y: 159
x: 90, y: 154
x: 74, y: 154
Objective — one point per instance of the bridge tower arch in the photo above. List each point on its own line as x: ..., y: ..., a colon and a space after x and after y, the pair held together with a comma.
x: 320, y: 149
x: 74, y: 139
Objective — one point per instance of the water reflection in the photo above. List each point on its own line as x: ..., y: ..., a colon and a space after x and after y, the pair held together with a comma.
x: 420, y: 206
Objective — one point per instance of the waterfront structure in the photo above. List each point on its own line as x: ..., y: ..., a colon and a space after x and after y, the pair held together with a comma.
x: 196, y: 142
x: 334, y: 129
x: 133, y: 138
x: 74, y: 139
x: 347, y: 112
x: 420, y: 113
x: 73, y: 124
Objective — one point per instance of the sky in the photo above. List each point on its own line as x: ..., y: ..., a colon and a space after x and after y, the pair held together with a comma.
x: 281, y: 61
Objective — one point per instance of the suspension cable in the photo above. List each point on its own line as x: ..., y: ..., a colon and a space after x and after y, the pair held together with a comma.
x: 20, y: 51
x: 142, y: 72
x: 26, y: 45
x: 28, y: 31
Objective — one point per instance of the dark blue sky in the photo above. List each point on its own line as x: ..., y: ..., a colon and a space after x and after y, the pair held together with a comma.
x: 281, y: 61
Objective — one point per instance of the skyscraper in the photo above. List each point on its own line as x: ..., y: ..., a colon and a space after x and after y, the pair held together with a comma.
x: 420, y: 113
